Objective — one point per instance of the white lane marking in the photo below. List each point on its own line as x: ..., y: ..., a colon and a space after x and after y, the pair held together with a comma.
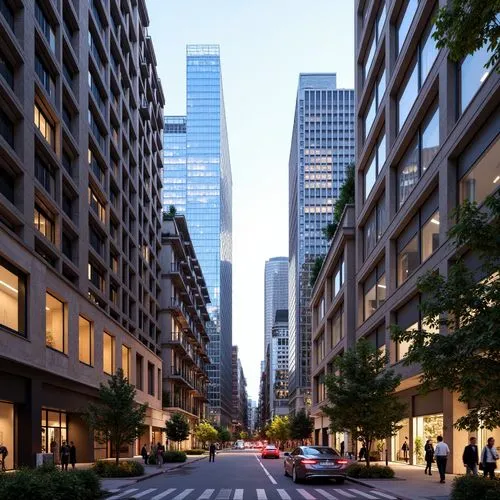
x: 125, y: 493
x: 326, y: 494
x: 284, y: 495
x: 184, y: 494
x: 306, y: 495
x: 144, y: 493
x: 164, y: 494
x: 261, y: 495
x: 271, y: 478
x: 238, y: 495
x: 344, y: 493
x: 365, y: 495
x: 224, y: 494
x: 384, y: 495
x: 206, y: 494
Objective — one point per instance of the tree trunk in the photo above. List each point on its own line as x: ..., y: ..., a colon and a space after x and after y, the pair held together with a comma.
x: 368, y: 445
x: 117, y: 452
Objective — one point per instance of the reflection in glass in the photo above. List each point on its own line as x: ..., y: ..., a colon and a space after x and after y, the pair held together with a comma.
x: 370, y: 116
x: 472, y: 75
x: 430, y: 140
x: 407, y: 173
x: 54, y: 323
x: 428, y: 54
x: 408, y: 260
x: 430, y: 236
x: 405, y: 22
x: 407, y: 97
x: 370, y: 176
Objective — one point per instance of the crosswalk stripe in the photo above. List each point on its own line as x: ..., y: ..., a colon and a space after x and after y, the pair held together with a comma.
x: 144, y: 493
x: 261, y: 495
x: 284, y: 495
x: 206, y: 494
x: 365, y: 495
x: 121, y: 495
x: 184, y: 494
x: 344, y: 493
x: 163, y: 495
x: 383, y: 495
x: 306, y: 495
x: 238, y: 495
x: 326, y: 494
x: 224, y: 494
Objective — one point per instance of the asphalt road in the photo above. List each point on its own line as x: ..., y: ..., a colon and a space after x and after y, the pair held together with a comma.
x: 241, y: 476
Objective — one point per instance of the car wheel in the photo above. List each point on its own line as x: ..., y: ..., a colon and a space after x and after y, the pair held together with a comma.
x: 295, y: 477
x: 286, y: 472
x: 340, y: 480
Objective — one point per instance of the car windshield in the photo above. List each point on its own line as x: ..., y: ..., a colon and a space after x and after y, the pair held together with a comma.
x: 270, y: 447
x: 309, y: 450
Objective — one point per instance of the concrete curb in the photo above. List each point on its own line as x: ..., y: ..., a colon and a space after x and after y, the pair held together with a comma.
x: 363, y: 483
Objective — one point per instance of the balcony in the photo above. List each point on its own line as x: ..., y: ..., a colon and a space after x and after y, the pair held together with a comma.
x: 182, y: 376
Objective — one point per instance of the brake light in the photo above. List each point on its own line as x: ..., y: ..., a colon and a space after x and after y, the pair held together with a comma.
x: 342, y: 462
x: 308, y: 461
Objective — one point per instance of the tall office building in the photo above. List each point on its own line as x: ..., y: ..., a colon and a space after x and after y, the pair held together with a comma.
x: 322, y: 147
x: 81, y: 113
x: 200, y: 186
x: 278, y: 361
x: 275, y: 292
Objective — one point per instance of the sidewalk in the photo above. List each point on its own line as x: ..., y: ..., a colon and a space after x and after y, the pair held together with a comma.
x: 410, y: 483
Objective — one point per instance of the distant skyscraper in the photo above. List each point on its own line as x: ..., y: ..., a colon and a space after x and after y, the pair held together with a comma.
x: 278, y: 362
x: 322, y: 147
x: 275, y: 292
x: 197, y: 180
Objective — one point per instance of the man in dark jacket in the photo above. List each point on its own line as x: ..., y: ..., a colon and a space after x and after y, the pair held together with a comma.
x: 471, y: 457
x: 211, y: 455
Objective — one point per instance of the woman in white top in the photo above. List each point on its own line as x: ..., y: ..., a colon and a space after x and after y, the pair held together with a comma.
x: 489, y: 458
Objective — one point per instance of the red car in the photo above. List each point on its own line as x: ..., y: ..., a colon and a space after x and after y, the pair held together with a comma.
x: 270, y: 451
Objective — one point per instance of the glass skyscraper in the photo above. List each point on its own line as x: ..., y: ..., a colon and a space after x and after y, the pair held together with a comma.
x: 322, y: 147
x: 197, y: 180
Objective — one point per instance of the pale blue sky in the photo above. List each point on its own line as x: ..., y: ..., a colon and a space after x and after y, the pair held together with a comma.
x: 265, y: 44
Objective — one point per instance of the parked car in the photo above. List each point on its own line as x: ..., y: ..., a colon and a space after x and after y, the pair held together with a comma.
x: 306, y: 462
x: 270, y: 451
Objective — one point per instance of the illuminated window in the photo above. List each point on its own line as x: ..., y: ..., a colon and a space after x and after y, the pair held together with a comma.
x: 44, y: 125
x: 374, y: 291
x: 108, y: 353
x: 430, y: 236
x: 96, y: 205
x: 55, y: 324
x: 85, y: 341
x: 12, y: 298
x: 44, y: 223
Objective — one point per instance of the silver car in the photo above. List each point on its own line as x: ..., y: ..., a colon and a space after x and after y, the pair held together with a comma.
x: 307, y: 462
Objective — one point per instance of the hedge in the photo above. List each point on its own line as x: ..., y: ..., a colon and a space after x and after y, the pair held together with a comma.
x: 125, y: 468
x: 477, y: 487
x: 49, y: 483
x: 195, y: 452
x: 371, y: 472
x: 174, y: 456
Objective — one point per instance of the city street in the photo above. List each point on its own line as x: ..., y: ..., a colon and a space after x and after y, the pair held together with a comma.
x: 241, y: 476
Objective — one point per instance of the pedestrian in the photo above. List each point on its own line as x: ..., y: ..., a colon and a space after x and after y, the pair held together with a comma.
x: 441, y: 453
x: 53, y: 450
x: 489, y: 458
x: 429, y: 456
x: 470, y: 457
x: 144, y: 453
x: 3, y: 455
x: 211, y: 453
x: 405, y: 448
x: 362, y: 452
x: 64, y: 451
x: 159, y: 455
x: 342, y: 448
x: 72, y: 454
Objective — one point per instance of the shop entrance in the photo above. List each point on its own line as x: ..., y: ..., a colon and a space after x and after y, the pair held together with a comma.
x: 54, y: 432
x: 398, y: 440
x: 7, y: 432
x: 424, y: 428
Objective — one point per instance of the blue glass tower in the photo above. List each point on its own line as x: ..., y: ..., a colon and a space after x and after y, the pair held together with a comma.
x: 197, y: 180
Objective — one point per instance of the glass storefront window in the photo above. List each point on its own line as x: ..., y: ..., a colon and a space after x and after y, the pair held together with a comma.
x: 7, y: 432
x: 53, y: 432
x: 408, y: 260
x: 55, y: 324
x: 430, y: 236
x: 85, y: 341
x: 398, y: 439
x: 12, y: 298
x: 425, y: 427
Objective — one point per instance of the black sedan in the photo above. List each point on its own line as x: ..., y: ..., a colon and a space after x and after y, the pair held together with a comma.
x: 306, y: 462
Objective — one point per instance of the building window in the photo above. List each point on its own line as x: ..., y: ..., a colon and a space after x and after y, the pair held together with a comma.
x: 96, y: 205
x: 338, y: 278
x: 46, y: 27
x: 375, y: 39
x: 427, y: 52
x: 430, y: 236
x: 374, y: 291
x: 402, y: 348
x: 45, y: 175
x: 408, y: 95
x: 96, y: 241
x: 96, y: 277
x: 375, y: 166
x: 375, y: 101
x: 44, y: 125
x: 96, y: 131
x: 337, y: 327
x: 375, y: 226
x: 85, y: 341
x: 408, y: 260
x: 95, y: 167
x: 159, y: 389
x: 7, y: 70
x: 472, y: 75
x: 12, y: 298
x: 126, y: 361
x: 369, y: 57
x: 44, y: 223
x: 139, y: 369
x: 320, y: 348
x: 55, y: 324
x: 43, y: 73
x: 8, y: 13
x: 483, y: 178
x: 108, y: 353
x: 67, y: 246
x: 151, y: 379
x: 429, y: 139
x: 404, y: 22
x: 7, y: 128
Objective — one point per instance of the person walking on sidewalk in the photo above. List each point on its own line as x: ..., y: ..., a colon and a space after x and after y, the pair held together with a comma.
x: 211, y: 453
x: 72, y: 454
x: 64, y: 456
x: 470, y: 457
x: 405, y: 448
x: 144, y: 454
x: 159, y: 454
x: 441, y: 453
x: 429, y: 456
x: 3, y: 455
x: 489, y: 458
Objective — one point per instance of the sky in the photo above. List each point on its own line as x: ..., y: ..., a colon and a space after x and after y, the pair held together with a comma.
x: 265, y: 44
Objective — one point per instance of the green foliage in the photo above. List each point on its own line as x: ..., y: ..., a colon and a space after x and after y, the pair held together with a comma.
x: 361, y: 397
x: 329, y: 230
x: 206, y: 432
x: 370, y: 472
x: 174, y: 456
x: 315, y: 270
x: 464, y: 26
x: 467, y: 303
x: 195, y: 452
x: 177, y: 428
x: 419, y: 449
x: 278, y: 430
x: 49, y: 483
x: 125, y: 468
x: 243, y: 435
x: 301, y: 426
x: 467, y: 487
x: 117, y: 418
x: 224, y: 435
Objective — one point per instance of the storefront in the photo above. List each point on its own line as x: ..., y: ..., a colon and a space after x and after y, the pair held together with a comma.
x: 7, y: 431
x: 398, y: 440
x: 425, y: 427
x: 54, y: 428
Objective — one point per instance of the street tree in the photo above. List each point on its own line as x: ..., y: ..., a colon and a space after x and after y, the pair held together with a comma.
x: 205, y: 432
x: 177, y: 428
x: 301, y: 426
x: 467, y: 303
x: 116, y: 419
x: 279, y: 430
x: 360, y: 396
x: 224, y: 435
x: 243, y: 435
x: 464, y: 26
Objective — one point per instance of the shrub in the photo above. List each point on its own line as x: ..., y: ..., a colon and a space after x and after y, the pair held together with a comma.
x: 127, y: 468
x: 49, y: 483
x: 174, y: 456
x: 466, y: 487
x: 195, y: 452
x: 372, y: 472
x: 152, y: 459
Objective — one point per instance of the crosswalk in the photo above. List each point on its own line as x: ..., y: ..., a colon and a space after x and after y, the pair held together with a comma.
x: 249, y: 494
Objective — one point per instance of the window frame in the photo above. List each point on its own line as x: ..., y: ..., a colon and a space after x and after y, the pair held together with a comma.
x: 90, y: 342
x: 64, y: 326
x: 112, y: 353
x: 22, y: 299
